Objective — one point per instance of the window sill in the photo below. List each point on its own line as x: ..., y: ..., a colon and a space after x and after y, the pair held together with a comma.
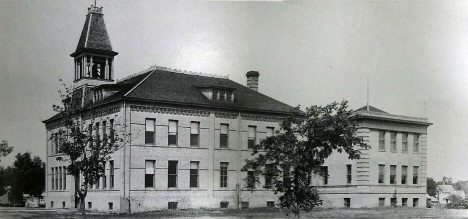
x: 380, y: 150
x: 394, y: 152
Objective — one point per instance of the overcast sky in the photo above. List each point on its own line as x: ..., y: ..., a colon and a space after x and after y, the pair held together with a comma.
x: 309, y: 53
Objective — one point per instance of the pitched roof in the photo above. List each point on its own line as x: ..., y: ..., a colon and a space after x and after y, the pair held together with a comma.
x: 171, y: 87
x: 371, y: 109
x: 446, y: 188
x: 94, y: 34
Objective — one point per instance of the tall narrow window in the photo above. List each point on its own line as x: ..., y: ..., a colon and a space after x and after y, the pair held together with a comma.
x: 251, y: 179
x: 104, y: 132
x: 415, y: 143
x: 381, y: 173
x: 104, y: 177
x: 172, y: 135
x: 415, y: 175
x: 229, y: 96
x: 222, y: 95
x: 194, y: 134
x: 381, y: 202
x: 64, y: 177
x: 215, y: 95
x: 149, y: 131
x: 348, y: 173
x: 252, y: 136
x: 111, y: 173
x: 98, y: 136
x: 111, y: 131
x: 415, y: 202
x: 270, y: 131
x: 223, y: 174
x: 224, y: 136
x: 149, y: 173
x: 268, y: 177
x: 382, y: 140
x: 53, y: 180
x: 97, y: 183
x: 404, y: 174
x: 60, y: 178
x: 325, y: 175
x: 90, y: 133
x: 53, y: 142
x: 392, y: 174
x: 404, y: 142
x: 172, y: 174
x: 56, y: 178
x: 194, y: 174
x: 393, y: 147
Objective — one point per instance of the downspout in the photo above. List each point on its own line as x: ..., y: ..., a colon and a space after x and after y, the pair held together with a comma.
x: 239, y: 151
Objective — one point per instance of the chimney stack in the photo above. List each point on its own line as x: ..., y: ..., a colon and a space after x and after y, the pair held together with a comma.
x: 252, y: 80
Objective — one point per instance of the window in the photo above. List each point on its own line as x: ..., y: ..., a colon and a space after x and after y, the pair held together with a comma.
x: 111, y: 173
x: 224, y: 204
x: 415, y: 202
x: 104, y: 177
x: 90, y: 205
x: 381, y: 202
x: 270, y: 131
x: 172, y: 174
x: 222, y: 95
x: 347, y: 202
x: 270, y: 204
x: 404, y: 142
x: 194, y: 134
x: 57, y: 137
x: 223, y: 174
x: 348, y: 173
x: 252, y: 136
x: 325, y: 175
x: 98, y: 137
x: 393, y: 142
x: 149, y: 173
x: 393, y: 201
x: 64, y: 177
x: 404, y: 202
x: 381, y: 140
x: 415, y: 175
x: 51, y: 204
x: 111, y: 205
x: 268, y: 177
x: 111, y: 131
x: 404, y: 174
x: 172, y: 205
x: 63, y: 204
x: 172, y: 135
x: 415, y: 143
x: 149, y: 131
x: 97, y: 183
x: 392, y: 174
x: 229, y: 96
x: 194, y: 165
x: 244, y: 205
x: 104, y: 132
x: 251, y: 179
x: 381, y: 173
x: 215, y: 94
x: 53, y: 180
x: 224, y: 136
x: 56, y: 178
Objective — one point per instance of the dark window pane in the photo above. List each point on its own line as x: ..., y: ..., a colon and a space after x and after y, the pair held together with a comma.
x: 224, y: 204
x: 193, y: 140
x: 172, y: 167
x: 149, y: 180
x: 173, y: 139
x: 193, y: 180
x: 251, y: 143
x: 149, y: 137
x: 224, y: 141
x: 172, y: 182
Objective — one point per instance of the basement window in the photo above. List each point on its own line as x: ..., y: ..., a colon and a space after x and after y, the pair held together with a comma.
x: 172, y: 205
x: 90, y: 205
x: 224, y: 204
x: 111, y: 205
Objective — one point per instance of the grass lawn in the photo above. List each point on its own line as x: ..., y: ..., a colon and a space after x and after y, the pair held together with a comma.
x: 254, y: 213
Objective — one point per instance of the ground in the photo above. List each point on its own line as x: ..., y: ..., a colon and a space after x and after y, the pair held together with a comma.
x: 248, y: 213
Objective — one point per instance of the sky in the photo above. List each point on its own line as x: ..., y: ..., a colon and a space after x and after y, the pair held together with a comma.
x: 307, y: 52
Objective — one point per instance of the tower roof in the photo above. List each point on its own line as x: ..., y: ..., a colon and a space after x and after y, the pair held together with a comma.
x: 94, y: 35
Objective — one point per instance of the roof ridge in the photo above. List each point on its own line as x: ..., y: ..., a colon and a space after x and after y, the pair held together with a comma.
x: 181, y: 71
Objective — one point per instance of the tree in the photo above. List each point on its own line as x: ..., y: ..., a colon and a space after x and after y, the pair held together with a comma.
x: 86, y: 151
x: 5, y: 149
x: 26, y: 176
x: 461, y: 186
x: 431, y: 187
x: 447, y: 180
x: 299, y: 149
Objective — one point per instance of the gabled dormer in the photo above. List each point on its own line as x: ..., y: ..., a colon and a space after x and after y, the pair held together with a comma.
x: 217, y: 93
x: 94, y: 57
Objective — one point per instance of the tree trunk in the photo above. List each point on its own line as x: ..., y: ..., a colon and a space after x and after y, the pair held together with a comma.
x: 82, y: 206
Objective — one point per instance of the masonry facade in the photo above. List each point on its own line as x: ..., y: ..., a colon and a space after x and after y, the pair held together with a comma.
x: 393, y: 171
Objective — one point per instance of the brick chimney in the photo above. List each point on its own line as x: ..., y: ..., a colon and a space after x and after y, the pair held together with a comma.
x: 252, y: 80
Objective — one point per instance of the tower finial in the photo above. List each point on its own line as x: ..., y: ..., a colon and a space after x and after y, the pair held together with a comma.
x: 95, y: 5
x: 367, y: 94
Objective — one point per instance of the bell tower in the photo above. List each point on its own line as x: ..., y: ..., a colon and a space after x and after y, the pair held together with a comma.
x: 94, y: 57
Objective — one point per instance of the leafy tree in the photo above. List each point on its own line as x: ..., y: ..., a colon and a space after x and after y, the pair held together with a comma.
x: 5, y: 149
x: 431, y: 187
x: 457, y: 202
x: 461, y: 186
x: 447, y: 180
x: 299, y: 149
x: 26, y: 176
x: 86, y: 152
